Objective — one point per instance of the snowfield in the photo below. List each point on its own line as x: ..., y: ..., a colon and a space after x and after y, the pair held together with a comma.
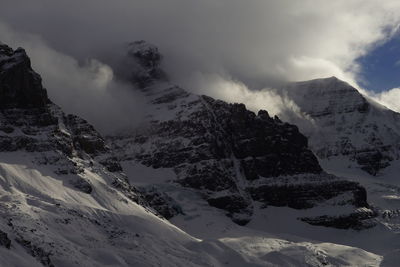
x: 62, y: 226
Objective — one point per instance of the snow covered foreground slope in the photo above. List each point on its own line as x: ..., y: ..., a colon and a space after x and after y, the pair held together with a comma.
x: 66, y: 201
x: 61, y: 227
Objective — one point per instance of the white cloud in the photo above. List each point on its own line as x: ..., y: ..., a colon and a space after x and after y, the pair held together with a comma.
x: 88, y: 89
x: 390, y: 98
x: 256, y: 44
x: 252, y: 40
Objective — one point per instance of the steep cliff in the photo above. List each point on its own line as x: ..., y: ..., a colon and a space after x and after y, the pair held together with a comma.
x: 228, y: 154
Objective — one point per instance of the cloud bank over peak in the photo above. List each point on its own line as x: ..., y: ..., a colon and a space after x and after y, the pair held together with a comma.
x: 87, y: 89
x: 253, y: 40
x: 390, y: 98
x: 215, y: 47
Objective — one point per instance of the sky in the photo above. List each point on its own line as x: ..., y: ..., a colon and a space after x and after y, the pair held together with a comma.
x: 231, y: 49
x: 381, y: 66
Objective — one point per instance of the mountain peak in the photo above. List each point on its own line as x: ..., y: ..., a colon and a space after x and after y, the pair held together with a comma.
x: 330, y: 83
x: 332, y: 78
x: 20, y: 86
x: 326, y: 96
x: 346, y: 124
x: 144, y: 64
x: 145, y: 53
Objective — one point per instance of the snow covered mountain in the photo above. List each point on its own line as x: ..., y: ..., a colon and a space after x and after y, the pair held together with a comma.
x: 69, y: 199
x: 231, y: 156
x: 342, y: 122
x: 64, y: 202
x: 353, y: 136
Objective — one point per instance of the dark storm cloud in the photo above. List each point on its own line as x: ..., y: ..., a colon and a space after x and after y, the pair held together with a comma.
x: 219, y: 47
x: 85, y: 88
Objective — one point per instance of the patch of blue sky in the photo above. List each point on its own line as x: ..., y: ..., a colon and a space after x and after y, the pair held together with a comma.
x: 381, y: 66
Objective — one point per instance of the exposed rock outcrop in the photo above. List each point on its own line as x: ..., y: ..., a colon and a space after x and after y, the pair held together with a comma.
x: 161, y: 202
x: 229, y: 154
x: 20, y: 86
x: 358, y: 220
x: 4, y: 240
x: 308, y: 192
x: 141, y: 65
x: 31, y: 122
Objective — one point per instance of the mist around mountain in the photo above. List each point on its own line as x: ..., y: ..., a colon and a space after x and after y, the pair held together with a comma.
x: 197, y: 181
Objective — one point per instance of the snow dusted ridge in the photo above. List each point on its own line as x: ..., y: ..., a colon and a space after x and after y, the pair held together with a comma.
x: 232, y: 157
x: 67, y: 200
x: 339, y: 121
x: 355, y: 137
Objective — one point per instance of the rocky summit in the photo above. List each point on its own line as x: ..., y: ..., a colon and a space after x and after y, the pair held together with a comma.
x: 20, y: 86
x: 30, y: 122
x: 228, y: 154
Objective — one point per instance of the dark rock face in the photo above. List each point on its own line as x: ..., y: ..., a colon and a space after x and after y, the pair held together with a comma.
x: 373, y: 160
x: 228, y: 154
x: 37, y: 252
x: 308, y: 194
x: 4, y: 240
x: 236, y: 205
x: 143, y: 60
x: 219, y: 143
x: 265, y: 147
x: 20, y: 86
x: 112, y: 164
x: 48, y: 130
x: 262, y: 145
x: 27, y: 108
x: 85, y: 136
x: 30, y: 122
x: 358, y: 220
x: 161, y: 202
x: 82, y: 185
x: 131, y: 192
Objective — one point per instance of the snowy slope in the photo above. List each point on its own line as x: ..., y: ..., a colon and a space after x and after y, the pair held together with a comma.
x: 63, y: 227
x: 274, y: 235
x: 65, y: 200
x: 168, y: 144
x: 353, y: 137
x: 340, y: 121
